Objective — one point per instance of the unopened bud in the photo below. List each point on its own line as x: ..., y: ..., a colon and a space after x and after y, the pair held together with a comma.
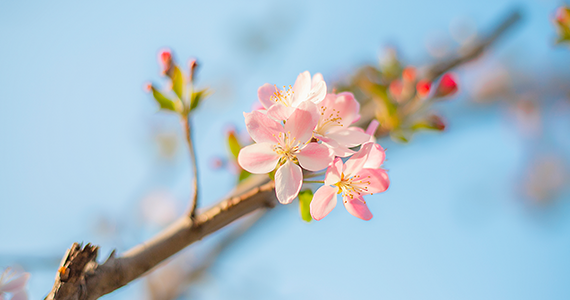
x: 192, y: 66
x: 436, y: 122
x: 563, y: 15
x: 165, y: 60
x: 423, y: 87
x: 396, y: 88
x: 147, y: 87
x: 409, y: 74
x: 447, y: 86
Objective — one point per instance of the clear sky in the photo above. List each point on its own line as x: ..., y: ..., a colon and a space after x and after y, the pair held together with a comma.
x: 77, y: 146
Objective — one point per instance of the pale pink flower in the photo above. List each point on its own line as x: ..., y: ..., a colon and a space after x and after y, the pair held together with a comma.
x: 337, y: 113
x: 284, y: 146
x: 14, y: 283
x: 358, y: 177
x: 280, y: 104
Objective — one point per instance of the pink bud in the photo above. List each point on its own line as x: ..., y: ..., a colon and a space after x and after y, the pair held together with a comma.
x: 563, y: 15
x: 423, y: 87
x: 148, y: 87
x: 436, y: 122
x: 409, y: 74
x: 165, y: 60
x: 192, y: 65
x: 447, y: 86
x: 396, y: 88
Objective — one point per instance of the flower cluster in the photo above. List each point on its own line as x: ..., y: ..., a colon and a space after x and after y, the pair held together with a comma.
x: 304, y: 128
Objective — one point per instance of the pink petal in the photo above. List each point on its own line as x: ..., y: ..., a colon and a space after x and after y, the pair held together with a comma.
x: 16, y: 284
x: 336, y: 148
x: 357, y: 207
x: 375, y: 157
x: 20, y: 295
x: 324, y: 200
x: 301, y: 88
x: 264, y: 94
x: 302, y: 122
x: 318, y: 92
x: 315, y: 156
x: 348, y: 108
x: 334, y: 172
x: 261, y: 128
x: 280, y: 112
x: 288, y: 181
x: 354, y: 164
x: 258, y: 158
x: 377, y: 180
x: 371, y: 130
x: 318, y: 77
x: 348, y: 137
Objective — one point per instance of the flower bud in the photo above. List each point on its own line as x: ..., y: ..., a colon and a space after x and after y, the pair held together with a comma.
x: 447, y: 86
x: 409, y: 74
x: 165, y: 60
x: 423, y: 87
x: 435, y: 122
x: 396, y: 88
x: 147, y: 87
x: 192, y: 65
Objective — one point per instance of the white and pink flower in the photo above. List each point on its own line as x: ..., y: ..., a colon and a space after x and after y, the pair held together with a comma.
x: 337, y: 113
x: 14, y: 283
x: 285, y: 147
x: 359, y: 176
x: 280, y: 104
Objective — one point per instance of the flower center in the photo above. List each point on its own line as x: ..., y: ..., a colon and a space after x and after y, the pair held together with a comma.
x: 283, y: 96
x: 286, y: 146
x: 354, y: 186
x: 328, y: 120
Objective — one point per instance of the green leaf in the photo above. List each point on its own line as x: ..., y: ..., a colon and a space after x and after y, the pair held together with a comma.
x: 243, y: 175
x: 198, y: 96
x: 177, y: 82
x: 164, y: 102
x: 305, y: 198
x: 233, y: 144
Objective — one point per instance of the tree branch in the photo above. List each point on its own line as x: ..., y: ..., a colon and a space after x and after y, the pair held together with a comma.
x: 89, y: 280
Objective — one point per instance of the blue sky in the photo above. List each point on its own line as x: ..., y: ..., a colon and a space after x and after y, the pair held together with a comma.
x: 77, y: 144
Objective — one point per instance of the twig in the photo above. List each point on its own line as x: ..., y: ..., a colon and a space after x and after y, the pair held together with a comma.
x: 96, y: 280
x: 194, y: 200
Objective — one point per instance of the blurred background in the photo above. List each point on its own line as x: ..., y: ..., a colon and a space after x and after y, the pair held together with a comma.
x: 478, y: 211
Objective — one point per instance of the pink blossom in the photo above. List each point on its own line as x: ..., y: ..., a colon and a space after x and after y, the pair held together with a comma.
x: 359, y: 176
x: 280, y: 104
x: 285, y: 147
x: 14, y: 283
x: 337, y: 113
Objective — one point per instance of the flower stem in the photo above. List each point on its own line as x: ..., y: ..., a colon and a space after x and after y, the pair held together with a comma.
x: 313, y: 181
x: 194, y: 199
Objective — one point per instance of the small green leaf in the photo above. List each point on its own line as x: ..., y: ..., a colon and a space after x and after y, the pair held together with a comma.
x: 399, y: 136
x: 177, y: 82
x: 305, y: 198
x: 164, y: 102
x: 243, y: 175
x: 233, y: 144
x: 197, y: 97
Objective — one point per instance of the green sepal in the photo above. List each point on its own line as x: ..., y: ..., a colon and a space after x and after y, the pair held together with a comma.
x: 197, y: 97
x: 164, y: 102
x: 243, y: 175
x: 233, y: 144
x: 305, y: 198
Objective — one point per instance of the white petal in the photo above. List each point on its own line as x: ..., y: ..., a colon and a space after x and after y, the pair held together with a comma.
x: 288, y: 182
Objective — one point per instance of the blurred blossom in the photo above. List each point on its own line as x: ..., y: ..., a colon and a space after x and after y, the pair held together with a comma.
x: 545, y: 178
x: 438, y: 45
x: 218, y: 163
x: 463, y: 30
x: 159, y: 207
x: 527, y: 117
x: 167, y: 144
x: 491, y: 85
x: 13, y: 282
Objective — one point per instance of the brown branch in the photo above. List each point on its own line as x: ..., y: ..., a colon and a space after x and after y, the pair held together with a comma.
x: 194, y: 200
x: 89, y: 280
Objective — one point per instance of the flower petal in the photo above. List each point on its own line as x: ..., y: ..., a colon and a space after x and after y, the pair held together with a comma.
x: 261, y: 128
x: 349, y: 137
x: 264, y: 94
x: 16, y: 284
x: 301, y: 88
x: 334, y: 172
x: 315, y: 156
x: 336, y: 148
x: 258, y: 158
x: 317, y: 77
x: 371, y: 130
x: 280, y: 112
x: 324, y: 200
x: 302, y: 122
x: 377, y: 180
x: 347, y: 107
x: 357, y: 207
x: 318, y: 92
x: 20, y: 295
x: 354, y: 164
x: 375, y: 157
x: 288, y: 181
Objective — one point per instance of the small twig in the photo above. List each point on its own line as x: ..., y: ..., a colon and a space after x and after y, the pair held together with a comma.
x: 194, y: 200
